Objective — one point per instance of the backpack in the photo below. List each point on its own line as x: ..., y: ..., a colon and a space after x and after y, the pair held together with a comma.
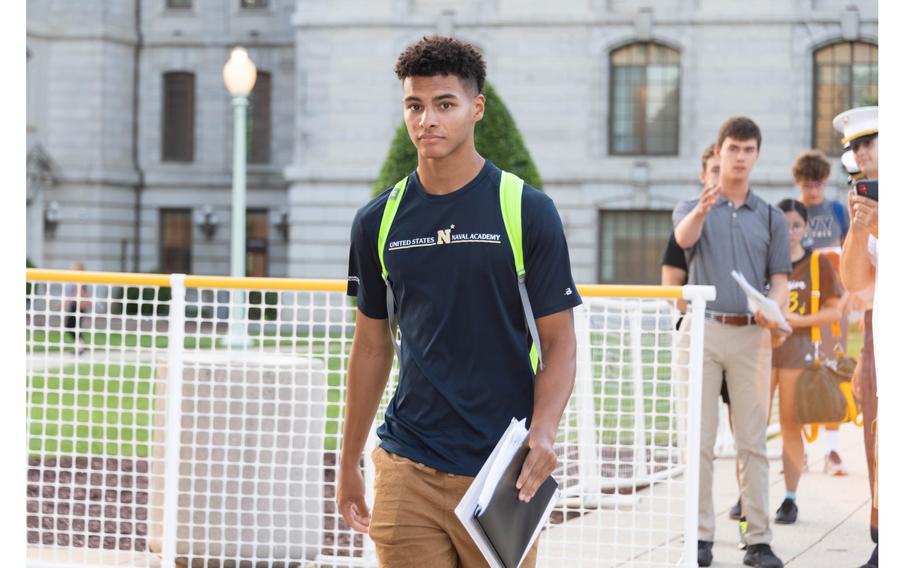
x: 510, y: 190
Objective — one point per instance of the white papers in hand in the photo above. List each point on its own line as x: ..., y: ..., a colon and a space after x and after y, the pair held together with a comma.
x: 758, y: 301
x: 482, y: 487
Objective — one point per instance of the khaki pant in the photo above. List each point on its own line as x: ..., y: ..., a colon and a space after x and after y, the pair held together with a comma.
x: 413, y: 519
x: 745, y: 354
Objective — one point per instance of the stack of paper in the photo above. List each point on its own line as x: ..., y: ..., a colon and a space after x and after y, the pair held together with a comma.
x: 503, y: 527
x: 758, y: 301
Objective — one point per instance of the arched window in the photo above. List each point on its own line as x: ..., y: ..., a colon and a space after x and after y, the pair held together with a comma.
x: 846, y: 76
x: 644, y: 100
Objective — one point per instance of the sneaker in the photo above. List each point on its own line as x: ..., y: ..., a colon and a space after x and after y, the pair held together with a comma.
x: 761, y: 556
x: 834, y: 465
x: 736, y: 511
x: 786, y: 513
x: 705, y: 556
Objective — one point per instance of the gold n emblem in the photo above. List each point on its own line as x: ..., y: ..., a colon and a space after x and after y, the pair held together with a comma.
x: 443, y: 236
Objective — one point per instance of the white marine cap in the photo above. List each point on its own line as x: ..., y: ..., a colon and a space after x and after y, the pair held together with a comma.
x: 849, y: 162
x: 856, y: 123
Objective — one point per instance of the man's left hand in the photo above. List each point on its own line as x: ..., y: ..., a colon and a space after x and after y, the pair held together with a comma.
x: 540, y: 463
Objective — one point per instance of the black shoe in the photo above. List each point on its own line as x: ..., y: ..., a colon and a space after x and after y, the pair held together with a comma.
x: 705, y: 556
x: 873, y: 560
x: 786, y: 513
x: 760, y: 555
x: 736, y: 511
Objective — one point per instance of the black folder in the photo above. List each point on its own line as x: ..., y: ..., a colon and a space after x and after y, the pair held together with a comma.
x: 509, y: 523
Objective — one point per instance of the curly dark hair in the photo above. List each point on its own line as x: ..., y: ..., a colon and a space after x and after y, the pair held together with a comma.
x: 811, y: 166
x: 442, y: 55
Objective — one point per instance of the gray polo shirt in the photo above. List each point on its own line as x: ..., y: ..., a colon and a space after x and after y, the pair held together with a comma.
x: 743, y: 239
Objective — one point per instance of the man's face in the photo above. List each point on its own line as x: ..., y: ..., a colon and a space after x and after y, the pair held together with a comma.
x: 737, y: 157
x: 812, y: 192
x: 711, y: 174
x: 865, y: 152
x: 440, y: 113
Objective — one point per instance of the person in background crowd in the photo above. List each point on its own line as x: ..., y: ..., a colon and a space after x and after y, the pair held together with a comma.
x: 797, y: 353
x: 859, y: 270
x: 78, y: 302
x: 675, y: 272
x: 828, y: 225
x: 728, y: 228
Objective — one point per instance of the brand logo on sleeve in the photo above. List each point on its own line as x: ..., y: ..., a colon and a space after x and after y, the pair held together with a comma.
x: 446, y: 236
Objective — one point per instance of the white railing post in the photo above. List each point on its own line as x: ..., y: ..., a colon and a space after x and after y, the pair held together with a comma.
x: 694, y: 383
x: 639, y: 435
x: 176, y: 333
x: 588, y: 454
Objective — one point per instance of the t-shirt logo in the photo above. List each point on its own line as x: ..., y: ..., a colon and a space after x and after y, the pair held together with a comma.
x: 568, y: 291
x: 444, y: 236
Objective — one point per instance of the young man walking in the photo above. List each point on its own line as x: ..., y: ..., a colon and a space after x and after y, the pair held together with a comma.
x: 730, y: 228
x: 444, y: 267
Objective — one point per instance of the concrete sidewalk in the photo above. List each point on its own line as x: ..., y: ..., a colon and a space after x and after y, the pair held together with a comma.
x: 833, y: 525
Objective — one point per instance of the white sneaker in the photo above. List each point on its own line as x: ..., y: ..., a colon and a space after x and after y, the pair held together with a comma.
x: 833, y: 465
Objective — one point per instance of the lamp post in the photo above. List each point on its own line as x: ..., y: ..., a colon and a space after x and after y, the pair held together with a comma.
x: 239, y: 77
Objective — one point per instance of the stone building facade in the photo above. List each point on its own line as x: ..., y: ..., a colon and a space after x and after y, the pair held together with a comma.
x: 616, y: 99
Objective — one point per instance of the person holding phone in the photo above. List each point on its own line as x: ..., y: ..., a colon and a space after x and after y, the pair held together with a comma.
x: 859, y: 270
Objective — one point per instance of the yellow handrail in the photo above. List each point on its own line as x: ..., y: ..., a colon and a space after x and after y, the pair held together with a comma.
x: 310, y: 284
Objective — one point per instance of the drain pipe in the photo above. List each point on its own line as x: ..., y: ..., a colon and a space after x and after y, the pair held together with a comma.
x: 140, y: 183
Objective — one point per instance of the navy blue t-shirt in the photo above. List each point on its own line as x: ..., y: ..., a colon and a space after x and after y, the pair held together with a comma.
x: 465, y: 370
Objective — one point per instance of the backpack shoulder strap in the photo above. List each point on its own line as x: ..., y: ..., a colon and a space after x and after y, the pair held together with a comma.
x: 841, y: 217
x: 388, y: 215
x: 510, y: 191
x: 815, y: 302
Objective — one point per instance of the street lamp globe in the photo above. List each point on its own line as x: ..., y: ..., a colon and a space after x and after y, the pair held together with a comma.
x: 239, y: 73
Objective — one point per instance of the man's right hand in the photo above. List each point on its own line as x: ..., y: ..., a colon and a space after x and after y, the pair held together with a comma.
x: 707, y: 200
x: 350, y: 498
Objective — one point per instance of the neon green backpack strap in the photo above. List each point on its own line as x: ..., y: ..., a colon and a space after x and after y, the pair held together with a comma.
x: 510, y: 190
x: 388, y: 215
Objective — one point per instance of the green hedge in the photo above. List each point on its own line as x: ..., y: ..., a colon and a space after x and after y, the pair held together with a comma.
x: 496, y: 137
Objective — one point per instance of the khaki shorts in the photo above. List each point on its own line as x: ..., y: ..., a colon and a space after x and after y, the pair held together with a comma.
x: 413, y: 519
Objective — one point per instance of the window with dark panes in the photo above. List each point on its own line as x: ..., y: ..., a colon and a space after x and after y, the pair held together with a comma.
x: 176, y: 240
x: 632, y: 244
x: 846, y: 76
x: 178, y: 117
x: 259, y: 120
x: 179, y: 3
x: 644, y: 100
x: 257, y: 242
x: 254, y: 3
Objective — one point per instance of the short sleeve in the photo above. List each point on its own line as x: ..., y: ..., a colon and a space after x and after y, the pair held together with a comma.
x: 682, y: 209
x: 364, y: 272
x: 674, y: 255
x: 551, y: 287
x: 830, y: 286
x: 779, y: 252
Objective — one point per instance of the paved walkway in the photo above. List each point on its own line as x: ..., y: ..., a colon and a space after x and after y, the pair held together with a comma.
x: 833, y: 526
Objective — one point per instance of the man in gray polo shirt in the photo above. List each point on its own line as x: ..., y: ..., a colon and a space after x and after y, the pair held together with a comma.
x: 730, y: 228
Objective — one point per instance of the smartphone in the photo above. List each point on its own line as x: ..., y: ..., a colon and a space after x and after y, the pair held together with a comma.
x: 867, y: 188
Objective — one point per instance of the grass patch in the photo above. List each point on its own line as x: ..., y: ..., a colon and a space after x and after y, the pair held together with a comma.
x: 91, y: 409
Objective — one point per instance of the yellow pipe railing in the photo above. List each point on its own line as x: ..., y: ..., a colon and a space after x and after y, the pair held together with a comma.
x: 309, y: 284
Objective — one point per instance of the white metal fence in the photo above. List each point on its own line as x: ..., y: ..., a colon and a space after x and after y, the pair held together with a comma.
x: 156, y: 436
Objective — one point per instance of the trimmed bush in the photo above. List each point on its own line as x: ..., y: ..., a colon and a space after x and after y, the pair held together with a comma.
x: 496, y: 137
